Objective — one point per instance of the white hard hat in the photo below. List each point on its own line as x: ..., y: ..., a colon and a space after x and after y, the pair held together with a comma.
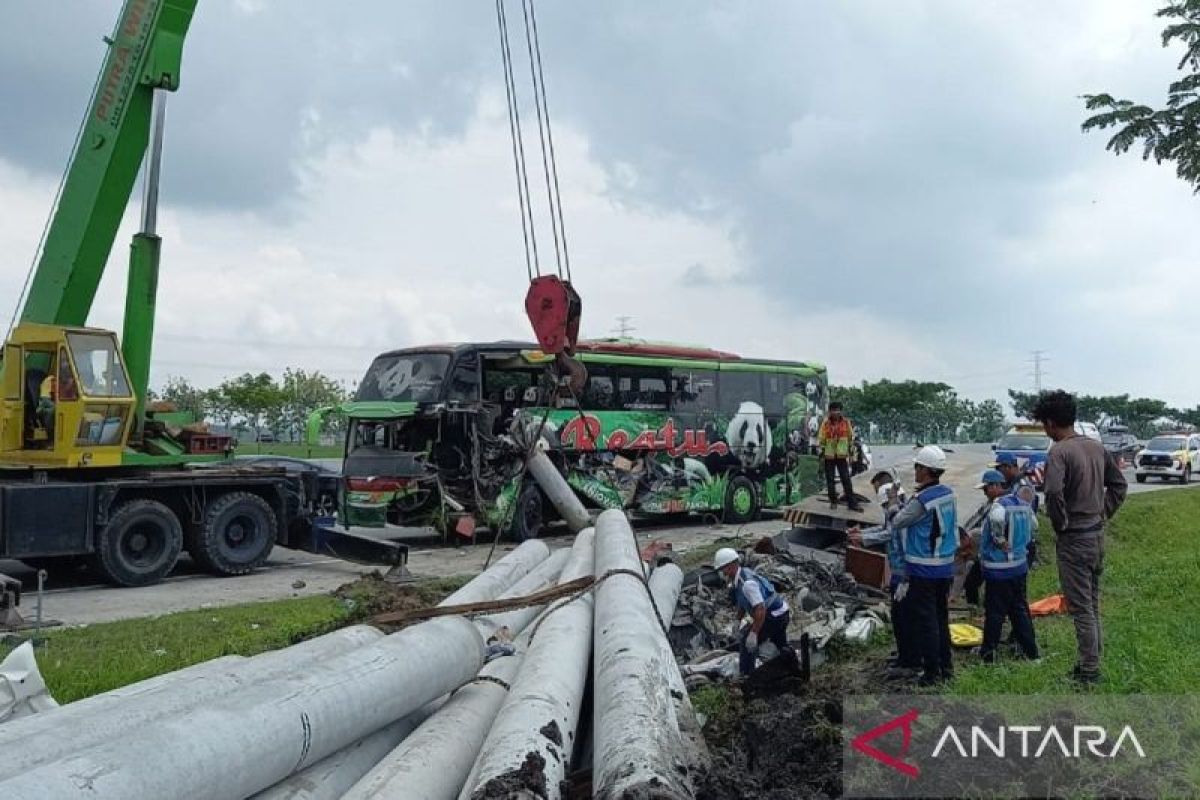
x: 724, y: 557
x: 931, y: 456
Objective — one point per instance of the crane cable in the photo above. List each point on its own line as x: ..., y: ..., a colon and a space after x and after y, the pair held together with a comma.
x: 545, y: 141
x: 528, y: 233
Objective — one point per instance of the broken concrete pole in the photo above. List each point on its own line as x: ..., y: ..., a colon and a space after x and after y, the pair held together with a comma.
x: 492, y: 582
x: 541, y: 577
x: 251, y: 739
x: 559, y: 492
x: 59, y: 732
x: 335, y: 775
x: 331, y: 777
x: 666, y: 582
x: 528, y: 750
x: 23, y: 692
x: 638, y: 749
x: 433, y: 761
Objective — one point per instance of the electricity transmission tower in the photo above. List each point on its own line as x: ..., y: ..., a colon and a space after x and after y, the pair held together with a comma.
x: 625, y: 326
x: 1039, y: 371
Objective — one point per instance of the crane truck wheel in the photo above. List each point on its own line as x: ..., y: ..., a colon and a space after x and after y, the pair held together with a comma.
x: 140, y: 544
x: 236, y: 535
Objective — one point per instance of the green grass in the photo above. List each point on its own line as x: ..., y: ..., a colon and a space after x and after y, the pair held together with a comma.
x: 294, y: 450
x: 1148, y: 592
x: 79, y: 662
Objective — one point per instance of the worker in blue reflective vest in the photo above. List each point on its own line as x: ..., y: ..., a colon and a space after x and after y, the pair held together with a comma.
x: 927, y: 530
x: 1004, y: 538
x: 754, y: 596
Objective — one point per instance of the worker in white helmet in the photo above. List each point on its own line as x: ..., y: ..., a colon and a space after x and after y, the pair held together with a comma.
x: 754, y: 595
x: 927, y: 529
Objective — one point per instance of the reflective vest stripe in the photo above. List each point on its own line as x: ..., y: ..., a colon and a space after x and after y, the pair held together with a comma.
x: 1016, y: 562
x: 931, y: 562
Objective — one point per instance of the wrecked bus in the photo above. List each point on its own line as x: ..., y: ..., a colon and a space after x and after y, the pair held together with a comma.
x: 436, y: 436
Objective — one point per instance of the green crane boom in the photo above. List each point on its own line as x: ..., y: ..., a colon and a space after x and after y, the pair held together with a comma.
x: 144, y: 55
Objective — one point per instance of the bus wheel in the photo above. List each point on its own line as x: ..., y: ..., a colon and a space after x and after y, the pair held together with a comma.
x: 236, y: 536
x: 140, y: 544
x: 529, y: 514
x: 741, y: 501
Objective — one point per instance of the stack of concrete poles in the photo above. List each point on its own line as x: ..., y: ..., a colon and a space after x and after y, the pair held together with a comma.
x: 418, y: 713
x: 532, y: 739
x: 334, y: 776
x: 233, y: 728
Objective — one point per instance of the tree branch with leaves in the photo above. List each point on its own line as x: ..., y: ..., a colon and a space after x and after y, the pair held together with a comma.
x: 1171, y: 133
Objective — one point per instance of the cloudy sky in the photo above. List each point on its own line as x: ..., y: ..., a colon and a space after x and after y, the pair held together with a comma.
x: 897, y: 189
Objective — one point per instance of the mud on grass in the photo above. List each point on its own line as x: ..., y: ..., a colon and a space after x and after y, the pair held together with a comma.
x: 371, y: 594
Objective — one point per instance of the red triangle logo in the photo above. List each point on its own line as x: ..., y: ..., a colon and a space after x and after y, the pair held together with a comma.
x: 905, y: 722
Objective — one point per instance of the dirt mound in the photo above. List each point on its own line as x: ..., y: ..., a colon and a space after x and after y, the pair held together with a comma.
x: 782, y: 740
x: 371, y: 594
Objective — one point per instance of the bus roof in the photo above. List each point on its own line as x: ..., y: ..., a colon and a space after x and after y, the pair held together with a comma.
x: 618, y: 347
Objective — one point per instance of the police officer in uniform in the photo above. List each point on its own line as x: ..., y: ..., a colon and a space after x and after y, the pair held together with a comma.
x: 754, y: 595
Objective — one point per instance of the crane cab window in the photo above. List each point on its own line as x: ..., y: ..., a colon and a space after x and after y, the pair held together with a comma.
x: 101, y: 372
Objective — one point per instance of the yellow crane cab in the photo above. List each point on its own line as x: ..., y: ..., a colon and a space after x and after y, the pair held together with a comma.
x: 67, y: 399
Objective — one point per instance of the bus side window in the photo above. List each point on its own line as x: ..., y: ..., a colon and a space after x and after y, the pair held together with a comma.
x: 695, y: 391
x: 737, y: 388
x: 600, y: 391
x: 643, y: 389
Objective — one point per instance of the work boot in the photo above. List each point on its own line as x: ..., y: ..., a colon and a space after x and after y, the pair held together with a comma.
x: 833, y: 501
x: 1084, y: 677
x: 855, y: 507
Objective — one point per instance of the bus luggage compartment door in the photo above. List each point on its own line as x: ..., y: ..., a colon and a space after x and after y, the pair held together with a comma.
x: 45, y: 520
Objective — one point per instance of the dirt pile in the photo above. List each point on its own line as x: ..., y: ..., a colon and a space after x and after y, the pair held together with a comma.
x: 371, y: 594
x: 784, y: 740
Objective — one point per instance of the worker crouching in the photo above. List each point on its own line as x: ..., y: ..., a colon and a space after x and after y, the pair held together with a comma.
x: 754, y: 596
x: 1008, y: 528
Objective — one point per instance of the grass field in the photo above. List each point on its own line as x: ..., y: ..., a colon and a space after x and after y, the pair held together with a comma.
x: 293, y: 449
x: 1150, y: 585
x: 79, y: 662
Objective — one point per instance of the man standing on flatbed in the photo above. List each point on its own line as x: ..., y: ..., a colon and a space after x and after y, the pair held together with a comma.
x: 1083, y: 488
x: 836, y: 439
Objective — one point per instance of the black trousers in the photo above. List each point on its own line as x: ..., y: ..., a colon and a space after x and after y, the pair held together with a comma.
x: 843, y: 471
x: 929, y: 613
x: 902, y: 631
x: 774, y: 630
x: 1005, y: 599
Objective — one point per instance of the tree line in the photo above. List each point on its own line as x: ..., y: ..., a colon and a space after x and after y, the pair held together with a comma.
x: 256, y: 403
x: 925, y: 411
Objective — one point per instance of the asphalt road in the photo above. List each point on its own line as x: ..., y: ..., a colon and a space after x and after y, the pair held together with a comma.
x: 78, y: 599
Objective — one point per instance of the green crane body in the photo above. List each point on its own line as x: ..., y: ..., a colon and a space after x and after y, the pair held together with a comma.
x: 144, y: 55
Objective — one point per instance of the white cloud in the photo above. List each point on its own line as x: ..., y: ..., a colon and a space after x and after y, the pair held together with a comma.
x: 404, y: 239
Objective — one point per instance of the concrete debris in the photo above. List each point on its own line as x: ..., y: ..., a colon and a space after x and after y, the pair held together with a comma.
x: 824, y: 601
x: 23, y: 692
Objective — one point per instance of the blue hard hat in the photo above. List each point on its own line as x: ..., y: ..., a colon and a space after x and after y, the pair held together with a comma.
x: 990, y: 476
x: 1006, y: 458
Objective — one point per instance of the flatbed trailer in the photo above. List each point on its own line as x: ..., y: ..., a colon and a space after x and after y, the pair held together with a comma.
x: 132, y: 523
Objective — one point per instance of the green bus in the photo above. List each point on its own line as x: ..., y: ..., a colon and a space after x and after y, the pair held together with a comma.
x: 659, y: 429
